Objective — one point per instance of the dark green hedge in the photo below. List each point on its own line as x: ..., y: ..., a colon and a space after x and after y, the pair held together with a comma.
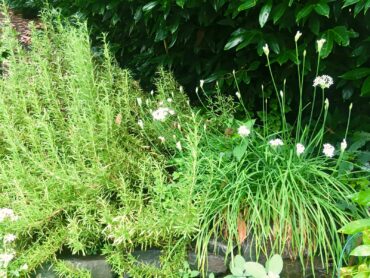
x: 200, y: 39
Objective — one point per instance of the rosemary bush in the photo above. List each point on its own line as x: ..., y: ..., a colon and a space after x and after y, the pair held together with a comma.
x: 74, y: 173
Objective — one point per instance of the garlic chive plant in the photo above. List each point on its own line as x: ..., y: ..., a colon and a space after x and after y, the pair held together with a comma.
x: 279, y: 191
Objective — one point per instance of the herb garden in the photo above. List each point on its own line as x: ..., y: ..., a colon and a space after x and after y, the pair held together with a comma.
x: 132, y: 137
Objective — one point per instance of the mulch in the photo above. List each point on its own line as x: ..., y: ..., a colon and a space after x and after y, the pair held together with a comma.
x: 21, y: 25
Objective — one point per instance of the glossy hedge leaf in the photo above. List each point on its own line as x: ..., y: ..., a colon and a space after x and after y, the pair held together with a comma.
x: 356, y: 74
x: 247, y: 4
x: 151, y: 5
x: 264, y: 14
x: 360, y: 139
x: 180, y: 3
x: 234, y: 41
x: 304, y: 12
x: 278, y: 12
x: 361, y: 251
x: 350, y: 2
x: 356, y: 226
x: 248, y: 38
x: 314, y: 25
x: 217, y: 4
x: 365, y: 89
x: 323, y: 9
x: 358, y: 8
x: 340, y: 35
x: 347, y: 92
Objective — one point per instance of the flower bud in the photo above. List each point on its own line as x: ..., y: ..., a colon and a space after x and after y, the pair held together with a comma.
x: 326, y: 103
x: 320, y: 43
x: 297, y: 36
x: 266, y: 49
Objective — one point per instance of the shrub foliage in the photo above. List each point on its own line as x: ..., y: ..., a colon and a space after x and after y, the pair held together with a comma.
x: 211, y: 38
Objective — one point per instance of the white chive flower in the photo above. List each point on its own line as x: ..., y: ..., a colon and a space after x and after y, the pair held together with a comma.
x: 5, y: 259
x: 7, y: 213
x: 178, y: 146
x: 276, y: 142
x: 8, y: 238
x: 169, y: 100
x: 281, y: 94
x: 139, y: 101
x: 162, y: 139
x: 201, y: 83
x: 244, y: 131
x: 324, y: 81
x: 343, y: 145
x: 299, y: 148
x: 266, y: 49
x: 151, y: 92
x: 297, y: 36
x: 238, y: 95
x: 328, y: 150
x: 141, y: 124
x: 161, y: 113
x: 320, y: 43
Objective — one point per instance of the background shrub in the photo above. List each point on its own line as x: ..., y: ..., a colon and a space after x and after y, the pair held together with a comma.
x: 208, y: 39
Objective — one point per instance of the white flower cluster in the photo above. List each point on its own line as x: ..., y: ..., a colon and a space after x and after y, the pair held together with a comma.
x: 323, y: 81
x: 244, y: 131
x: 161, y: 113
x: 9, y: 238
x: 328, y: 150
x: 7, y: 213
x: 276, y: 142
x: 5, y: 259
x: 300, y: 148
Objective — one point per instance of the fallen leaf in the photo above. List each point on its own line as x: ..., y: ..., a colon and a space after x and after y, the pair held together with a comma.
x: 242, y: 230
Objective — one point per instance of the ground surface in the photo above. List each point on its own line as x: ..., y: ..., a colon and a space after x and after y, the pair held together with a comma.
x: 21, y: 25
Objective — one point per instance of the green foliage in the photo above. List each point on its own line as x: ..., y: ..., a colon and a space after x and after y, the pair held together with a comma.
x: 67, y: 270
x: 186, y: 272
x: 210, y: 39
x: 75, y: 176
x: 360, y: 230
x: 248, y: 185
x: 240, y: 268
